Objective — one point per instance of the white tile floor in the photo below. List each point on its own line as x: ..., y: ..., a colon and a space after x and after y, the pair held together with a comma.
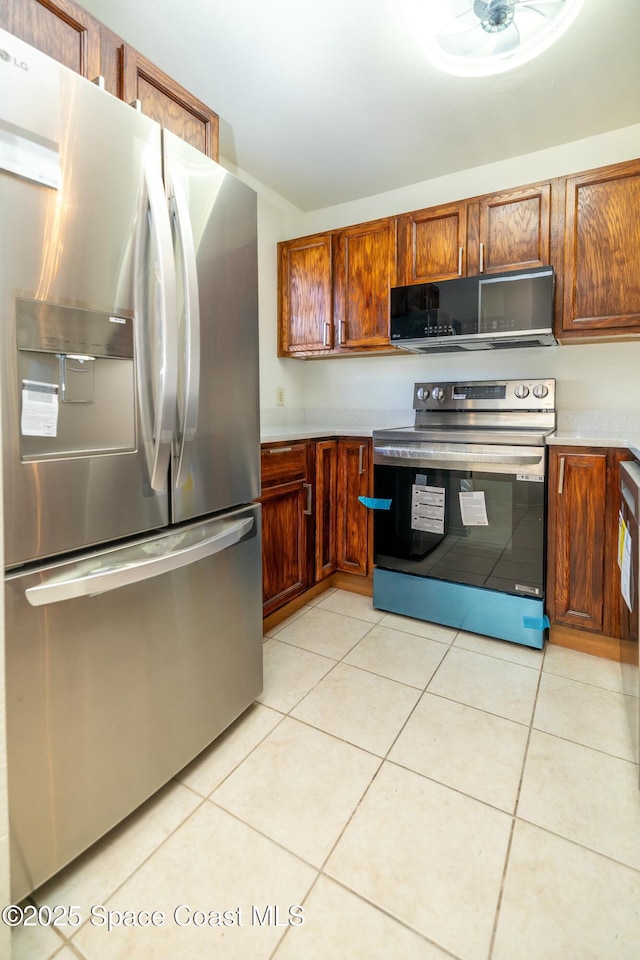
x: 420, y: 794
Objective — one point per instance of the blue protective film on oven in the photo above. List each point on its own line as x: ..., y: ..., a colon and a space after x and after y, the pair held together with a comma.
x: 474, y: 609
x: 375, y: 503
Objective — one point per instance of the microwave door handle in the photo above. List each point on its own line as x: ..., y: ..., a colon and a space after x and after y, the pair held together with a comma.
x: 179, y: 211
x: 165, y: 323
x: 127, y: 572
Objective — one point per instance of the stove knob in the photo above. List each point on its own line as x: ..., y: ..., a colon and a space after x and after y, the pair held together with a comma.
x: 540, y: 391
x: 521, y: 392
x: 422, y: 394
x: 438, y: 393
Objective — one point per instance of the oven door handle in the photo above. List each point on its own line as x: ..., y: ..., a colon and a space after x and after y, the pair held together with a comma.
x: 410, y: 454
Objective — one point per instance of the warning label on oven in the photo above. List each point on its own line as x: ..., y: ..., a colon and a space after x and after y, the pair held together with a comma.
x: 473, y: 509
x: 427, y: 508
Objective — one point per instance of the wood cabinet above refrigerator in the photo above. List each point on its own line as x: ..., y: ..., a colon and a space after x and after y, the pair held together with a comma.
x: 68, y: 34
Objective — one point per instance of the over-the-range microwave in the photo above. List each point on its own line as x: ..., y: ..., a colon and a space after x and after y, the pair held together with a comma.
x: 490, y: 311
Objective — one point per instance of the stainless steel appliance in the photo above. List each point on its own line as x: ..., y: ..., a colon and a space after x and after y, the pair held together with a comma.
x: 487, y: 312
x: 130, y: 456
x: 629, y: 559
x: 460, y: 498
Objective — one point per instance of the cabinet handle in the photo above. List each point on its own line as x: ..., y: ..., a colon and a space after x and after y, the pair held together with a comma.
x: 460, y: 252
x: 482, y: 258
x: 280, y: 450
x: 325, y: 334
x: 343, y: 338
x: 561, y: 475
x: 308, y: 487
x: 361, y: 459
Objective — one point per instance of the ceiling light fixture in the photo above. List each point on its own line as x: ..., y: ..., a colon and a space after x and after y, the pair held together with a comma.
x: 477, y: 38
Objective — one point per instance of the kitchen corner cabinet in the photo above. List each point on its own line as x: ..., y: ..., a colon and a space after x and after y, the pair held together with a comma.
x: 353, y: 519
x: 334, y: 290
x: 305, y: 296
x: 285, y: 499
x: 602, y: 252
x: 68, y: 34
x: 498, y: 232
x: 583, y: 577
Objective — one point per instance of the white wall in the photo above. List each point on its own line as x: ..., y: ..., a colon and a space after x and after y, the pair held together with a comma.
x: 590, y: 376
x: 277, y: 219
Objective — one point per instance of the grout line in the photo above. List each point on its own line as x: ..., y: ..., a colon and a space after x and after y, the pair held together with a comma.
x: 514, y: 817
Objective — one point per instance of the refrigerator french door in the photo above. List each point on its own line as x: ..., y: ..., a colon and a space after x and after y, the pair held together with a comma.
x: 128, y: 288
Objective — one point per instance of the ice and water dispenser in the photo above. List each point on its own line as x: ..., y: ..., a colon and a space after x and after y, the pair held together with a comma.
x: 77, y: 381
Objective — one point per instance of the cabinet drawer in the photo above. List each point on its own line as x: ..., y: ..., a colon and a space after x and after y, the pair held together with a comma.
x: 280, y: 463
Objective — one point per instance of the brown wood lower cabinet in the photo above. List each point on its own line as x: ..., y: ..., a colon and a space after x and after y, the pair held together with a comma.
x: 583, y: 579
x: 285, y: 501
x: 326, y: 464
x: 313, y: 525
x: 352, y: 518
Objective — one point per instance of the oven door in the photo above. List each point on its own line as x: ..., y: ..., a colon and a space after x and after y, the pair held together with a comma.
x: 463, y: 513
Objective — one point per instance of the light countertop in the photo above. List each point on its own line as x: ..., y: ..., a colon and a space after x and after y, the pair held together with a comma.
x: 585, y: 428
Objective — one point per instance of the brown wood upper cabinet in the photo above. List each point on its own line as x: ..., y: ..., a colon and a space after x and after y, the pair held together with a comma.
x: 334, y: 291
x: 364, y: 271
x: 66, y: 32
x: 305, y: 296
x: 498, y: 232
x: 59, y: 28
x: 164, y: 100
x: 602, y: 252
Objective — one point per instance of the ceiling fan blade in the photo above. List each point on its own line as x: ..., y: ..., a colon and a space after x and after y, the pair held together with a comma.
x: 467, y: 43
x: 550, y: 14
x: 507, y: 41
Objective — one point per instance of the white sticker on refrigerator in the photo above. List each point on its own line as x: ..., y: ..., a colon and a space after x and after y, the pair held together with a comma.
x: 427, y: 508
x: 473, y: 509
x: 39, y: 409
x: 24, y: 156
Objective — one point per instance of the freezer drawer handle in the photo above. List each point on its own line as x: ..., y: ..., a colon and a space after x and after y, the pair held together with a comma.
x: 125, y: 573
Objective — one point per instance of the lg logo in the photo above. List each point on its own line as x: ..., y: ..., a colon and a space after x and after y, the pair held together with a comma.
x: 6, y: 56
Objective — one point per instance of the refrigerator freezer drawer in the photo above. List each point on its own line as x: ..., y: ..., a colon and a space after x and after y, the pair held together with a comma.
x: 109, y: 695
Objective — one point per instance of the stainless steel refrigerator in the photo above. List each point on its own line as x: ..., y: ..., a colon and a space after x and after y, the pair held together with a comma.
x: 128, y: 291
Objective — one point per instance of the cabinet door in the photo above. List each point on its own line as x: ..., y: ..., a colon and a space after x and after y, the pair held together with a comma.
x: 325, y: 498
x: 432, y: 244
x: 59, y: 28
x: 354, y: 459
x: 514, y: 230
x: 284, y: 555
x: 577, y: 545
x: 305, y: 296
x: 602, y: 250
x: 165, y: 101
x: 364, y: 271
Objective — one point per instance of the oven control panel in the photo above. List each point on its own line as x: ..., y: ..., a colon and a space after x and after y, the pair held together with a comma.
x: 486, y: 395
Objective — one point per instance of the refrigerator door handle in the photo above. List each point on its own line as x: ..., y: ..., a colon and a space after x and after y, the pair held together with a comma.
x: 126, y: 566
x: 188, y: 399
x: 166, y: 375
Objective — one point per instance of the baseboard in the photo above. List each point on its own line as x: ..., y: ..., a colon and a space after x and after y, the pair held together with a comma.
x: 339, y: 581
x: 597, y: 644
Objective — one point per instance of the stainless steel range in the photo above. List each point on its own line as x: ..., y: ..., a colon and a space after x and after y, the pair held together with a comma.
x: 460, y: 497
